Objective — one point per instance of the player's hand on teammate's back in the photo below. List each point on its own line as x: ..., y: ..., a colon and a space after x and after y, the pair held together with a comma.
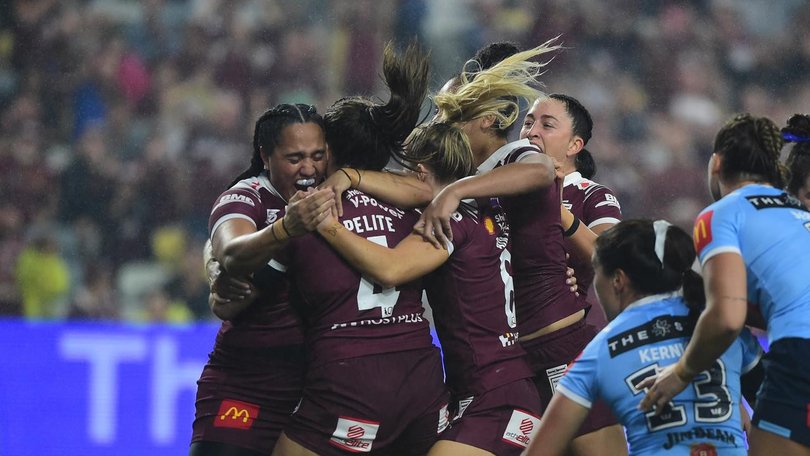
x: 306, y: 209
x: 571, y: 280
x: 338, y: 182
x: 434, y: 224
x: 661, y: 389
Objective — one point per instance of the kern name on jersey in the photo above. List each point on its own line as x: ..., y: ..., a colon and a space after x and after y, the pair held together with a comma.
x: 649, y: 335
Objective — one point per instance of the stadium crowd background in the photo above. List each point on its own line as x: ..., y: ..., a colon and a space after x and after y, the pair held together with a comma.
x: 122, y: 120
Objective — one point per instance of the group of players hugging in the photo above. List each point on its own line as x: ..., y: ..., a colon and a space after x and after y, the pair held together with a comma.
x: 320, y: 253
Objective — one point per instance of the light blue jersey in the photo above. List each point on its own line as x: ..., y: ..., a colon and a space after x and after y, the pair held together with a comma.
x: 647, y: 336
x: 771, y: 231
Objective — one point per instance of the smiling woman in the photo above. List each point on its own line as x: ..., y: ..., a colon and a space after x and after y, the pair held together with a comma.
x: 254, y: 375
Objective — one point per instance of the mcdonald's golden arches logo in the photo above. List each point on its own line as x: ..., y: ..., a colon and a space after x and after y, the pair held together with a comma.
x: 236, y: 414
x: 702, y: 234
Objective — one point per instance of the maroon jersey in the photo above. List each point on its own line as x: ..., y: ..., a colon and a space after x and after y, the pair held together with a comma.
x: 348, y: 315
x: 270, y: 321
x: 538, y: 260
x: 472, y: 298
x: 593, y: 204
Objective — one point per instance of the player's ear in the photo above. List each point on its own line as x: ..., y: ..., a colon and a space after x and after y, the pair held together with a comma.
x: 575, y: 146
x: 487, y: 121
x: 421, y: 172
x: 620, y: 281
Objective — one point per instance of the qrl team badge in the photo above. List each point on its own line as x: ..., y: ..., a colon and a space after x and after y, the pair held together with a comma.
x: 236, y: 414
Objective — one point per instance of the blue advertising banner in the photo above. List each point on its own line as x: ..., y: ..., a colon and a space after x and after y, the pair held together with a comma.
x: 99, y: 389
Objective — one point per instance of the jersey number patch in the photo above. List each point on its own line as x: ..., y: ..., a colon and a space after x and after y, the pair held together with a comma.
x: 371, y: 295
x: 710, y: 387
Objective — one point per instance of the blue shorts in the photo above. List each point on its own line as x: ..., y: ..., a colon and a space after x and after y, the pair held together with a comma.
x: 783, y: 401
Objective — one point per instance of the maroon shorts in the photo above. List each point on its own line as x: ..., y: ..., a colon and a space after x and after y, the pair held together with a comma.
x: 391, y: 403
x: 502, y: 421
x: 246, y: 399
x: 549, y: 356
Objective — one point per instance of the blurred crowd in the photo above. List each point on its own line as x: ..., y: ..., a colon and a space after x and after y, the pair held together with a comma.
x: 122, y: 120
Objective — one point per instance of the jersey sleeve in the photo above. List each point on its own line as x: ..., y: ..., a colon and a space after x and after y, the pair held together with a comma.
x: 601, y: 206
x: 751, y: 350
x: 715, y: 232
x: 235, y: 203
x: 580, y: 382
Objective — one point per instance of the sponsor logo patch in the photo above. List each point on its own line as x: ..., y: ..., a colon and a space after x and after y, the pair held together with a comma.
x: 236, y: 414
x: 554, y: 375
x: 508, y: 339
x: 462, y: 406
x: 521, y: 429
x: 355, y: 435
x: 272, y: 215
x: 489, y: 225
x: 234, y: 197
x: 703, y: 449
x: 702, y: 234
x: 663, y: 328
x: 444, y: 419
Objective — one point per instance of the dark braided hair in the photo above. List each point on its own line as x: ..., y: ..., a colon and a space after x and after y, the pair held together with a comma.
x: 630, y: 246
x: 750, y: 147
x: 797, y: 132
x: 582, y: 125
x: 363, y: 134
x: 268, y: 130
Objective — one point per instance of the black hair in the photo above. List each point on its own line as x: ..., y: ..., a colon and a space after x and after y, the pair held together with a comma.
x: 797, y: 132
x: 750, y: 147
x: 582, y: 126
x: 365, y: 135
x: 630, y: 246
x: 493, y: 53
x: 267, y: 132
x: 485, y: 58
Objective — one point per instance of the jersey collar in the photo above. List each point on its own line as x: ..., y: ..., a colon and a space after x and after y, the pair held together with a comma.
x: 572, y: 178
x: 654, y: 298
x: 492, y: 161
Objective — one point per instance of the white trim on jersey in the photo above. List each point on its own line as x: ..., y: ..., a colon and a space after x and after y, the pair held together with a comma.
x: 450, y: 247
x: 572, y: 178
x: 265, y: 181
x: 276, y: 265
x: 227, y: 217
x: 492, y: 161
x: 600, y: 221
x: 573, y: 396
x: 718, y: 251
x: 747, y: 368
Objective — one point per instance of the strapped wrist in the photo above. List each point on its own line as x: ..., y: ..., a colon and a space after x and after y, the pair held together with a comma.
x: 573, y: 228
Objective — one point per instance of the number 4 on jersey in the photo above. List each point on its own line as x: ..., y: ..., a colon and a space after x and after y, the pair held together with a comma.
x: 371, y: 295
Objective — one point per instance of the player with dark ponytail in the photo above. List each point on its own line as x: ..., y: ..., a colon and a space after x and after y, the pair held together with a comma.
x: 754, y: 246
x: 645, y: 282
x: 374, y: 381
x: 253, y: 377
x: 797, y: 132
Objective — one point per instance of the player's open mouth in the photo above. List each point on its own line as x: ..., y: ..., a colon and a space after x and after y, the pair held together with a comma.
x: 303, y: 184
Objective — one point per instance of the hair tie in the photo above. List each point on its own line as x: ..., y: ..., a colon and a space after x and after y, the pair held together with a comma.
x: 794, y: 138
x: 660, y: 227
